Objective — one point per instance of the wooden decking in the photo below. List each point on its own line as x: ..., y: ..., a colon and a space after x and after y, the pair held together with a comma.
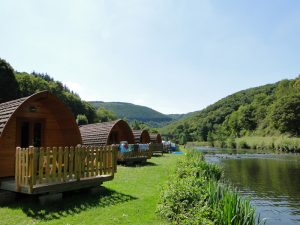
x: 40, y: 170
x: 10, y: 185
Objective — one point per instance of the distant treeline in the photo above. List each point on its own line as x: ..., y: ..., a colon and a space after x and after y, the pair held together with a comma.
x: 269, y: 110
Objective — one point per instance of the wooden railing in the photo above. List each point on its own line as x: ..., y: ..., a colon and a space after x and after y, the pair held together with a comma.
x: 42, y: 166
x: 156, y: 148
x: 135, y: 153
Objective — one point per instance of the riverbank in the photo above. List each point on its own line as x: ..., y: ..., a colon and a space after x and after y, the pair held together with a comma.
x: 131, y: 198
x: 281, y: 143
x: 194, y: 194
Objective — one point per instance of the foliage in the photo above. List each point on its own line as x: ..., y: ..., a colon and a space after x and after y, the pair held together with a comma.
x: 195, y: 195
x: 8, y: 85
x: 81, y: 120
x: 104, y: 115
x: 32, y: 83
x: 269, y: 110
x: 286, y: 114
x: 136, y: 112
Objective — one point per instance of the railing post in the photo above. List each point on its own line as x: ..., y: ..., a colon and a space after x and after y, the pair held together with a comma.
x: 115, y: 153
x: 30, y: 163
x: 18, y: 169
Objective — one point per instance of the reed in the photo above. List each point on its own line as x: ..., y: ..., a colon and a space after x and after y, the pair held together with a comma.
x: 281, y: 143
x: 194, y: 194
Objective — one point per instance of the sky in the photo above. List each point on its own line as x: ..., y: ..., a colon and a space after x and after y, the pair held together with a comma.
x: 174, y: 56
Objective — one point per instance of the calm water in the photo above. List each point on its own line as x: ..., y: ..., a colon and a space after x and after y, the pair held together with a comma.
x: 271, y: 180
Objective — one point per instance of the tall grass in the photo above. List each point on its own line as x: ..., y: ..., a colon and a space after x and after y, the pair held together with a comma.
x: 195, y: 195
x: 281, y: 143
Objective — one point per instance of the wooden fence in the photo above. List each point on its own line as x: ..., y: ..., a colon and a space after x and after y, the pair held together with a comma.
x: 42, y: 166
x: 156, y: 148
x: 142, y: 154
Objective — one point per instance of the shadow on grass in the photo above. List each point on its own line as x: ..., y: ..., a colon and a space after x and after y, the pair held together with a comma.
x: 141, y: 164
x: 157, y: 155
x: 71, y: 204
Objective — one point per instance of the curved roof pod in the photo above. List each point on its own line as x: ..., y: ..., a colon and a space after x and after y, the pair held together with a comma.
x: 141, y: 136
x: 106, y: 133
x: 155, y: 138
x: 38, y: 120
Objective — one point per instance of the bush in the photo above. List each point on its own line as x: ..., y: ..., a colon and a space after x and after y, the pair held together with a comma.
x: 195, y: 195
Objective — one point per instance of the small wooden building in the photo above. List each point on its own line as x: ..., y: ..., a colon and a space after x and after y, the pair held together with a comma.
x: 141, y: 136
x: 40, y: 148
x: 155, y: 138
x: 107, y: 133
x: 156, y: 146
x: 113, y: 133
x: 38, y: 120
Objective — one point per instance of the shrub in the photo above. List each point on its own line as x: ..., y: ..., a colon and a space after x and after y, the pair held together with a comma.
x: 194, y: 195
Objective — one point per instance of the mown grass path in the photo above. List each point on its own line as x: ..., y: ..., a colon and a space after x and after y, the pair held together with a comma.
x: 131, y: 198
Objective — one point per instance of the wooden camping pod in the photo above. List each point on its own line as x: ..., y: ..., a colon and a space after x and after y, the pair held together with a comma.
x: 106, y: 133
x: 39, y: 120
x: 155, y: 138
x: 141, y: 136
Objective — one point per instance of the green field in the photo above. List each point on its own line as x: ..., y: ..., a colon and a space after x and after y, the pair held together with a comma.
x: 131, y: 198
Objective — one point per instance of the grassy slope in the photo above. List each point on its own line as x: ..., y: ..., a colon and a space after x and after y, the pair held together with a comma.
x: 131, y: 198
x: 131, y: 111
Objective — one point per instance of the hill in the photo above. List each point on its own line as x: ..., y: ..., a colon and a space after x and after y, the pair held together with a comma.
x: 271, y: 109
x: 136, y: 112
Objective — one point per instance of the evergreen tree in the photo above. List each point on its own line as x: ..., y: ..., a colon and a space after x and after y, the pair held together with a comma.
x: 8, y: 85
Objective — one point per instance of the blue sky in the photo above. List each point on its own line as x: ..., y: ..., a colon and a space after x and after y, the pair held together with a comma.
x: 172, y: 55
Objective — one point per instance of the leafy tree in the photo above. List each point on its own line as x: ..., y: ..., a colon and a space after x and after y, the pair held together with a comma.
x: 9, y: 88
x: 105, y: 115
x: 32, y: 83
x: 81, y: 119
x: 286, y: 114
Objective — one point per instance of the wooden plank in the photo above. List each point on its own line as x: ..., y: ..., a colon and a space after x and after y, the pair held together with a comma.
x: 88, y: 161
x: 100, y: 160
x: 115, y: 148
x: 104, y: 160
x: 92, y: 161
x: 41, y: 165
x: 71, y: 162
x: 54, y: 163
x: 66, y: 163
x: 60, y: 158
x: 35, y: 165
x: 47, y: 164
x: 25, y: 174
x: 109, y: 158
x: 97, y: 161
x: 77, y: 163
x: 17, y: 174
x: 30, y: 168
x: 83, y: 162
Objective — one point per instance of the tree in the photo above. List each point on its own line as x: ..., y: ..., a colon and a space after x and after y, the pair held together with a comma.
x: 105, y: 115
x: 286, y: 114
x: 81, y: 120
x: 9, y: 88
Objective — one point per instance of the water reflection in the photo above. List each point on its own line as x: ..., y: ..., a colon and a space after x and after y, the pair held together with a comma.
x: 272, y: 180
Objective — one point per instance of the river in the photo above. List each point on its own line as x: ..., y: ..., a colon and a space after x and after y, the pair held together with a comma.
x: 272, y: 181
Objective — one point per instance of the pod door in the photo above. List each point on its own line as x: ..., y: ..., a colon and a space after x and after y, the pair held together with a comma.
x: 30, y: 133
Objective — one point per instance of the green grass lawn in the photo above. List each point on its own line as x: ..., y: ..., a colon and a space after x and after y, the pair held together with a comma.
x: 131, y: 198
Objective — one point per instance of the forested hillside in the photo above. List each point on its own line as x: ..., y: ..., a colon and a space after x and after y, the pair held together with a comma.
x: 135, y: 112
x: 272, y: 109
x: 16, y: 85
